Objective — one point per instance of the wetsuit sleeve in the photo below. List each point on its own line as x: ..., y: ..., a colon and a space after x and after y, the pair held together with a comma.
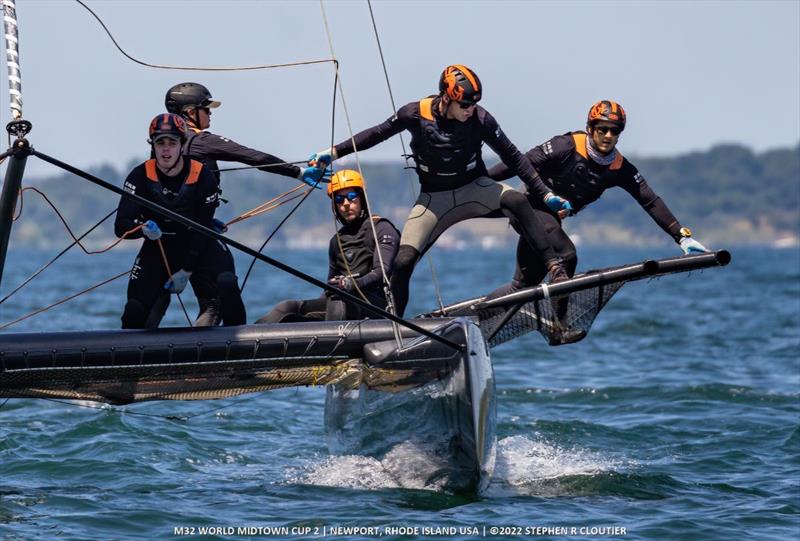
x: 207, y: 202
x: 388, y: 243
x: 129, y: 212
x: 404, y: 119
x: 554, y: 152
x: 512, y: 157
x: 635, y: 184
x: 221, y: 148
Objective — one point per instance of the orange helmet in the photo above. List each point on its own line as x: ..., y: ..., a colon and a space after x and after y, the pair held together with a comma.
x: 167, y: 125
x: 608, y: 111
x: 346, y: 178
x: 460, y: 84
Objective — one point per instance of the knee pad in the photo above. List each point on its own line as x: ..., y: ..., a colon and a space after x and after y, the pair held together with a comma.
x: 134, y: 315
x: 227, y: 282
x: 513, y: 201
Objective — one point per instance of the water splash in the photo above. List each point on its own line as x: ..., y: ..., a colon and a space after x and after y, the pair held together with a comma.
x: 538, y: 468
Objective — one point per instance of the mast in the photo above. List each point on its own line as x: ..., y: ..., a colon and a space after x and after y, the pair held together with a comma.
x: 18, y: 127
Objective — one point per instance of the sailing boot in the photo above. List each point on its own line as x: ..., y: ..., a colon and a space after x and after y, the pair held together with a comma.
x: 561, y: 333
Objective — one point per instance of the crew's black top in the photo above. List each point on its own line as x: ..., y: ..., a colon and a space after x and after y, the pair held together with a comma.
x: 192, y: 193
x: 358, y: 250
x: 209, y: 147
x: 569, y: 172
x: 447, y: 152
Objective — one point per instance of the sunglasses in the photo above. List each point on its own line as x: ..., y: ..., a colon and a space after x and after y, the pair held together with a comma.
x: 613, y: 130
x: 466, y: 105
x: 350, y: 196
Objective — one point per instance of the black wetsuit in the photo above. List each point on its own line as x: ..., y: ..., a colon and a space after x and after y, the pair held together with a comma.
x: 209, y: 148
x: 569, y: 172
x: 351, y: 253
x: 192, y: 193
x: 448, y: 158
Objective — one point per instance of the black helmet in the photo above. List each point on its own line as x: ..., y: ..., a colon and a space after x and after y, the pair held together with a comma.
x: 184, y: 95
x: 461, y: 84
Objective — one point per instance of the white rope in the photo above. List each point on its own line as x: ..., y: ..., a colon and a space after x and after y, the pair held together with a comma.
x: 414, y: 195
x: 355, y: 151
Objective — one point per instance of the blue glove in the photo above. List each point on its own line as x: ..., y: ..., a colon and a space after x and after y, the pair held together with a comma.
x: 177, y: 283
x: 323, y: 158
x: 151, y: 230
x: 557, y: 203
x: 691, y: 246
x: 314, y: 176
x: 219, y: 226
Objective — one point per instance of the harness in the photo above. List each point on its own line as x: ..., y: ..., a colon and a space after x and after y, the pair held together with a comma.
x: 440, y: 153
x: 181, y: 202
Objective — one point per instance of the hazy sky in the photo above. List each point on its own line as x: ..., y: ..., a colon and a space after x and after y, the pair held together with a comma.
x: 689, y: 74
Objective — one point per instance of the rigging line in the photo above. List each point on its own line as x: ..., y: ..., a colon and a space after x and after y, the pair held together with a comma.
x: 434, y: 278
x: 69, y: 298
x: 208, y: 232
x: 268, y: 205
x: 355, y: 152
x: 61, y: 253
x: 169, y: 273
x: 193, y: 68
x: 66, y: 225
x: 286, y: 218
x: 223, y: 169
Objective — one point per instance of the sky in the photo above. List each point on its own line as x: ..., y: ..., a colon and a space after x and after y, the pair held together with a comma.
x: 689, y: 74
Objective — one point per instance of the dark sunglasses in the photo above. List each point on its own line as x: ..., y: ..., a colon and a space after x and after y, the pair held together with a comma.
x: 613, y: 130
x: 351, y: 196
x: 466, y: 105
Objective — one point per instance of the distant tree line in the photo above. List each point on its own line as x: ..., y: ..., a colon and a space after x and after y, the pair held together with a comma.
x: 719, y: 191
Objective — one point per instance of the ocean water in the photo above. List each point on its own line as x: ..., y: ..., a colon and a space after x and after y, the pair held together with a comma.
x: 678, y: 417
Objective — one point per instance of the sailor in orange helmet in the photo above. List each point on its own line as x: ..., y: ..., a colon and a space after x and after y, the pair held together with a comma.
x: 447, y: 132
x: 188, y: 188
x: 579, y: 166
x: 357, y: 259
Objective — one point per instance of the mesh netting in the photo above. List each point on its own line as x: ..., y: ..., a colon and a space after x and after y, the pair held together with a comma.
x: 577, y: 310
x: 562, y: 319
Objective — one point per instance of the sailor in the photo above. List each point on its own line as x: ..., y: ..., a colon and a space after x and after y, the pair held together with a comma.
x: 447, y: 131
x: 356, y: 262
x: 188, y: 188
x: 193, y: 102
x: 579, y: 166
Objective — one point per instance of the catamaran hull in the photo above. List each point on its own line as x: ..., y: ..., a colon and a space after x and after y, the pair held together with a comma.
x: 438, y: 434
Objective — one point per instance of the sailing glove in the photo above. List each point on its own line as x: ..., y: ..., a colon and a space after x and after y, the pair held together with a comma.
x: 323, y: 157
x: 691, y: 246
x: 346, y: 283
x: 558, y: 204
x: 151, y: 230
x: 177, y: 282
x: 314, y: 176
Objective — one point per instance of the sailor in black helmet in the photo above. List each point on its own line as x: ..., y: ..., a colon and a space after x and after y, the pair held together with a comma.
x: 447, y: 132
x: 188, y: 188
x: 194, y: 103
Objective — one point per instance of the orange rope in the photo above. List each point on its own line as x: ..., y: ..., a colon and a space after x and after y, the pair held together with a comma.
x: 40, y: 310
x: 269, y: 205
x: 66, y: 225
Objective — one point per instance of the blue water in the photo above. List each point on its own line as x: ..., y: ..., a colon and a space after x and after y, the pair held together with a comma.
x: 677, y: 418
